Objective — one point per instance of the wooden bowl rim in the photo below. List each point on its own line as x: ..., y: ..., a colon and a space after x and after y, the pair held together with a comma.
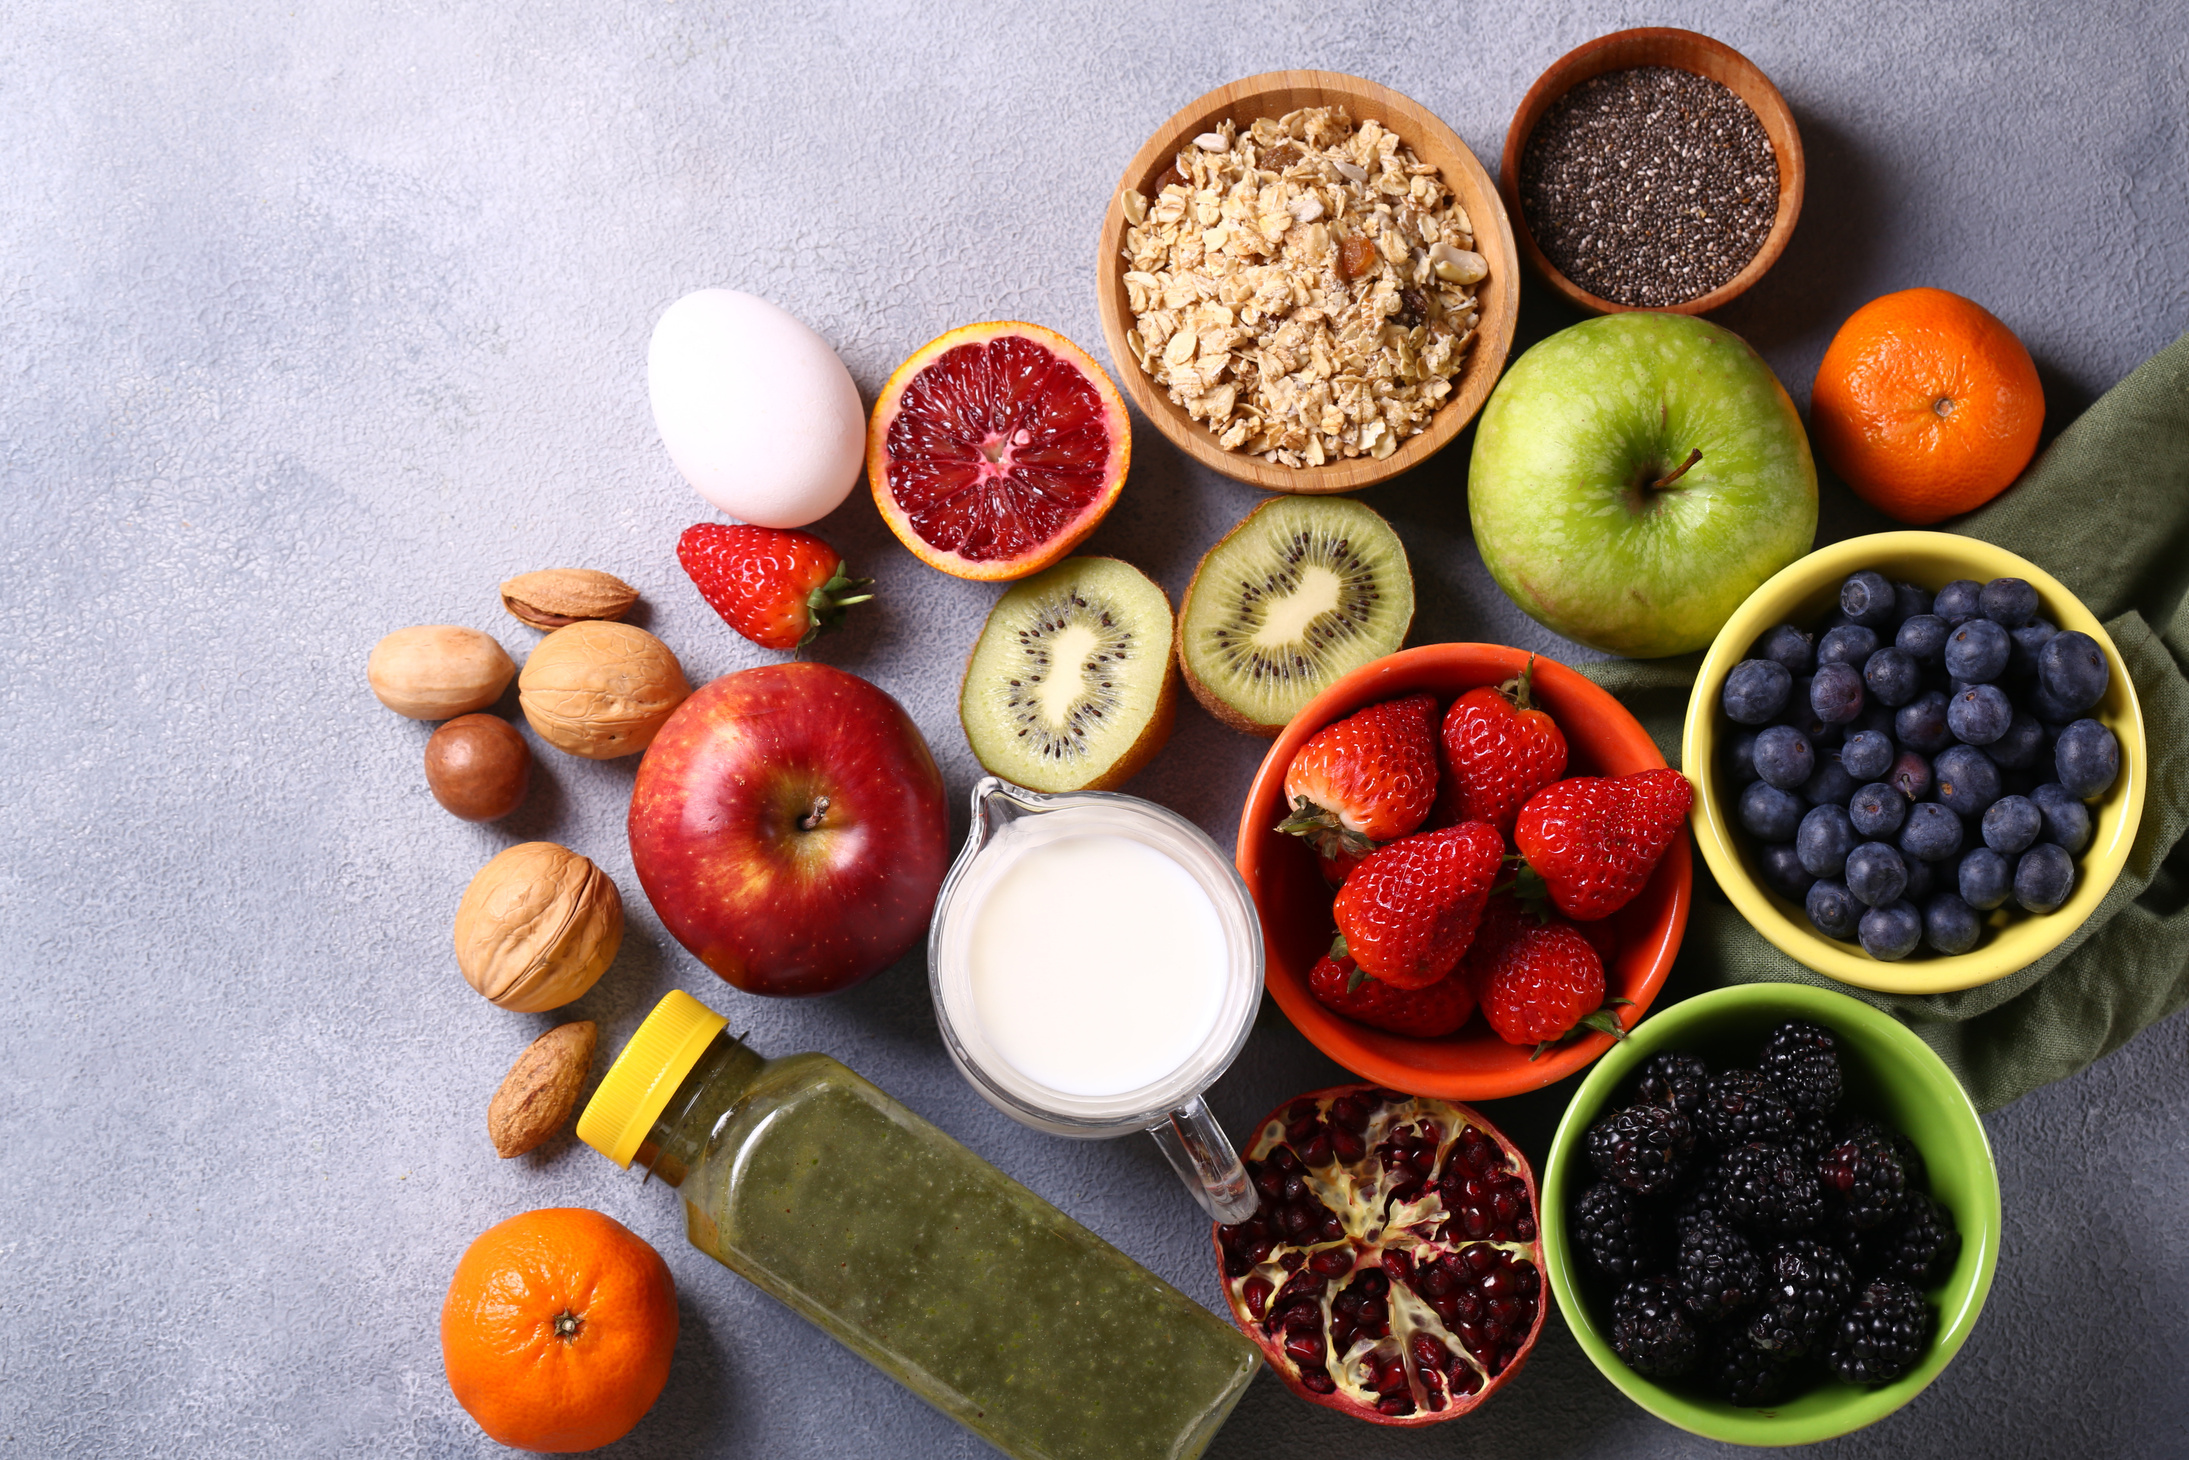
x: 1656, y: 45
x: 1487, y: 351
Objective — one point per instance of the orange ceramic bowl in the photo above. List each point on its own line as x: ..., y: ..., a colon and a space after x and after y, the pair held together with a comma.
x: 1294, y: 902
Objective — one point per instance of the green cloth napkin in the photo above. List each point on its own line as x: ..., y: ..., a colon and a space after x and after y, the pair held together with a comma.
x: 2106, y: 511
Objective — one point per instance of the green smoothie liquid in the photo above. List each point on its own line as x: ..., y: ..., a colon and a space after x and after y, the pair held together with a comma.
x: 946, y: 1274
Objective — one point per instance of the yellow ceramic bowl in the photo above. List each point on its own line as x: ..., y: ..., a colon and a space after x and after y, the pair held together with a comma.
x: 1803, y: 593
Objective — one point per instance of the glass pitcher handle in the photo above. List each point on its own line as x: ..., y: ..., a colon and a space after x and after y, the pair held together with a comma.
x: 1201, y: 1154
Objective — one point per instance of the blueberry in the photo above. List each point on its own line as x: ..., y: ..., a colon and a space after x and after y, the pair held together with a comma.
x: 2044, y: 877
x: 1979, y: 714
x: 1891, y: 932
x: 1876, y: 874
x: 2087, y: 758
x: 1825, y: 838
x: 1740, y: 758
x: 1787, y: 646
x: 1836, y: 693
x: 1868, y: 599
x: 1919, y: 880
x: 1866, y: 754
x: 1877, y: 810
x: 1950, y: 925
x: 2028, y: 640
x: 1830, y: 785
x: 2020, y: 747
x: 1924, y: 637
x: 2011, y: 824
x: 2048, y: 707
x: 2067, y: 820
x: 1958, y: 601
x: 1911, y: 776
x: 1755, y: 691
x: 1977, y: 651
x: 1931, y: 832
x: 1985, y: 879
x: 2007, y: 602
x: 1833, y: 909
x: 1783, y: 873
x: 1910, y: 600
x: 2071, y: 668
x: 1770, y: 814
x: 1799, y: 713
x: 1921, y: 723
x: 1847, y: 644
x: 1892, y: 676
x: 1783, y: 756
x: 1967, y: 780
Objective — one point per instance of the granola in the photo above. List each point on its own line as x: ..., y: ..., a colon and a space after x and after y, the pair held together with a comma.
x: 1307, y: 289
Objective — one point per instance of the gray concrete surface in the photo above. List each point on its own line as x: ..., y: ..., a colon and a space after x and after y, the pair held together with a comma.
x: 318, y: 320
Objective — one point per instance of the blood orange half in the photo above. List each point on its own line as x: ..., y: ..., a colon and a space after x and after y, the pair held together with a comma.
x: 996, y: 448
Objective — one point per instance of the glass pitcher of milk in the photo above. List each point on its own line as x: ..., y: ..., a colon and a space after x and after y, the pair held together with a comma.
x: 1096, y: 962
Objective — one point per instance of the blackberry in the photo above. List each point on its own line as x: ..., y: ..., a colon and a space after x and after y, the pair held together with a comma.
x: 1745, y: 1105
x: 1699, y: 1202
x: 1645, y: 1148
x: 1883, y: 1335
x: 1806, y: 1286
x: 1865, y: 1176
x: 1740, y: 1373
x: 1619, y: 1232
x: 1813, y: 1135
x: 1804, y: 1059
x: 1920, y: 1249
x: 1651, y: 1331
x: 1718, y: 1270
x: 1769, y: 1187
x: 1674, y: 1080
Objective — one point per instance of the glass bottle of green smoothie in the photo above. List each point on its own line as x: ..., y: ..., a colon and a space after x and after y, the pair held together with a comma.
x: 950, y: 1277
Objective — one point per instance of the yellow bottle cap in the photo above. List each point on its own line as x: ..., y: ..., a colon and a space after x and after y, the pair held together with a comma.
x: 646, y: 1074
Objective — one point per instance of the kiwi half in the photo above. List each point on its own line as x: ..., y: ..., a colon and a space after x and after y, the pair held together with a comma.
x: 1070, y: 686
x: 1303, y: 590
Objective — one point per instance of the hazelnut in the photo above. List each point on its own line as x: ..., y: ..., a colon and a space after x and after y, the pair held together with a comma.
x: 538, y: 926
x: 478, y: 767
x: 438, y: 671
x: 600, y: 689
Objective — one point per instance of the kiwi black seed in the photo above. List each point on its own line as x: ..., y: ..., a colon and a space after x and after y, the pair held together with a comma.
x: 1070, y: 686
x: 1303, y: 590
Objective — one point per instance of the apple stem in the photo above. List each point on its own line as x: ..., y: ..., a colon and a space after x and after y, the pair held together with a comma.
x: 1677, y: 472
x: 812, y: 819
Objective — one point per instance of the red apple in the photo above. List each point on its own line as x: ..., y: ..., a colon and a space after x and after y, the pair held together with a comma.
x: 788, y: 825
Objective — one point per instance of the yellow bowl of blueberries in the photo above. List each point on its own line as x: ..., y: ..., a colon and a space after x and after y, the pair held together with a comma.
x: 1919, y: 762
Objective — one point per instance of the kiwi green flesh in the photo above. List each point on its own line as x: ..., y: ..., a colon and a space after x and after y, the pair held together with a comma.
x: 1304, y: 590
x: 1070, y: 686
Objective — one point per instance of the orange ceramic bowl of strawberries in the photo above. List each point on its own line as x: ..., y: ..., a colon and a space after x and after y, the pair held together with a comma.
x: 1294, y: 900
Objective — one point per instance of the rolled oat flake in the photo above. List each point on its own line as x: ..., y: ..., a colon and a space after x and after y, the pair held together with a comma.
x: 1650, y: 186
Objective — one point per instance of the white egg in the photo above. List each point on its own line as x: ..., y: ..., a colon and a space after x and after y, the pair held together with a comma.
x: 755, y: 408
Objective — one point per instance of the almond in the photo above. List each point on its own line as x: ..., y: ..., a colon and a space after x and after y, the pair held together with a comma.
x: 541, y: 1089
x: 555, y: 598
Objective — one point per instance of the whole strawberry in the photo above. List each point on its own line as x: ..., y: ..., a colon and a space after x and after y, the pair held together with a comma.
x: 1370, y: 777
x: 1409, y: 911
x: 776, y: 586
x: 1537, y: 979
x: 1498, y: 751
x: 1339, y: 984
x: 1594, y: 840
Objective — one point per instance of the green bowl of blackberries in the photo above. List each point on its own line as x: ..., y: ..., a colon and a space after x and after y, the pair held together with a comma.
x: 1771, y: 1215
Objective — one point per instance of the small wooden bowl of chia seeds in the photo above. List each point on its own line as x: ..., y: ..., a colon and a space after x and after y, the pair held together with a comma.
x: 1652, y: 169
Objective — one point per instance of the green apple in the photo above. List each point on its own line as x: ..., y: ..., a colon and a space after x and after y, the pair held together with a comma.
x: 1636, y: 477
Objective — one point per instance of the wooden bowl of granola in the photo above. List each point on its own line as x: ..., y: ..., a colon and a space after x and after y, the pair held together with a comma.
x: 1366, y: 294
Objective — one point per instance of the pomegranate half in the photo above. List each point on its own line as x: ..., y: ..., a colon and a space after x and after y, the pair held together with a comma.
x: 1394, y: 1271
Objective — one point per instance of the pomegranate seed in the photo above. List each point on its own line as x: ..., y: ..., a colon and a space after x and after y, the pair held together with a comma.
x: 1332, y: 1228
x: 1495, y: 1363
x: 1332, y: 1262
x: 1524, y: 1229
x: 1317, y: 1381
x: 1299, y: 1221
x: 1300, y: 1127
x: 1399, y: 1265
x: 1431, y: 1133
x: 1471, y: 1334
x: 1447, y: 1308
x: 1395, y: 1404
x: 1372, y: 1283
x: 1479, y: 1260
x: 1428, y: 1353
x: 1475, y: 1222
x: 1434, y: 1283
x: 1256, y: 1292
x: 1464, y: 1379
x: 1348, y: 1146
x: 1347, y: 1113
x: 1285, y: 1160
x: 1269, y: 1181
x: 1470, y: 1307
x: 1291, y: 1261
x: 1236, y: 1265
x: 1304, y: 1347
x: 1341, y: 1334
x: 1373, y: 1313
x: 1316, y: 1150
x: 1497, y: 1283
x: 1261, y: 1250
x: 1432, y: 1384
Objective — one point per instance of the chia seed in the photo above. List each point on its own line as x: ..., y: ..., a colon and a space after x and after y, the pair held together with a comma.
x: 1649, y: 187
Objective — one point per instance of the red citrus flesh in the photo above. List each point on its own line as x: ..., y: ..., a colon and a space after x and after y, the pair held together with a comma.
x: 1394, y: 1271
x: 995, y: 449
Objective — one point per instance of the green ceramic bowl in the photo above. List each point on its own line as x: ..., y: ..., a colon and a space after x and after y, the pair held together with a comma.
x: 1890, y: 1074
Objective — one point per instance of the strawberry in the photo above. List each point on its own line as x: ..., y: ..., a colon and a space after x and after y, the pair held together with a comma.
x: 1370, y: 777
x: 1536, y: 980
x: 1409, y: 911
x: 1338, y: 983
x: 775, y: 586
x: 1594, y: 840
x: 1498, y: 751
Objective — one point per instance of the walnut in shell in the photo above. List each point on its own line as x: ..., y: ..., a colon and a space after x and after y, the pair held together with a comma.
x: 538, y: 926
x: 438, y: 671
x: 541, y: 1089
x: 555, y: 598
x: 600, y: 690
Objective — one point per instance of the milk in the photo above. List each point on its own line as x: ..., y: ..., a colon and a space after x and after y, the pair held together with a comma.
x: 1097, y: 962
